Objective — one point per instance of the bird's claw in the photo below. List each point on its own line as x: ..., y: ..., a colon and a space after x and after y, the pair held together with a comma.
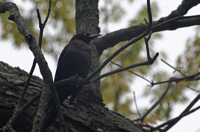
x: 76, y: 79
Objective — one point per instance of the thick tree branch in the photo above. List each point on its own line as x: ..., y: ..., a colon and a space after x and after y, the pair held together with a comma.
x: 86, y: 114
x: 19, y: 111
x: 171, y: 22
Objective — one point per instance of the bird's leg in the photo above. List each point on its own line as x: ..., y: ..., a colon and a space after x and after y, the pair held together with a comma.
x: 76, y: 79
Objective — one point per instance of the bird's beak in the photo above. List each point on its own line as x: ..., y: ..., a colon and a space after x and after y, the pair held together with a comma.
x: 94, y: 35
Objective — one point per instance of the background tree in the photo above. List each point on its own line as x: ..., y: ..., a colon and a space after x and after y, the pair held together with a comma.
x: 65, y: 12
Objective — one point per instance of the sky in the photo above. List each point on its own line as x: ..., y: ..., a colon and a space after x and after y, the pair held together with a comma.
x: 23, y: 57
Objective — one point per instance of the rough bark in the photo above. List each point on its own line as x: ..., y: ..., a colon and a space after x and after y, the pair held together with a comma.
x: 80, y: 117
x: 87, y: 16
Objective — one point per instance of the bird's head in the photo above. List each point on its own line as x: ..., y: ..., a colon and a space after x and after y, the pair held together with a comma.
x: 86, y: 37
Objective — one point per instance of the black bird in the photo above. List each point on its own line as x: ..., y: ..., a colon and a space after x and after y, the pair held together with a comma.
x: 75, y: 59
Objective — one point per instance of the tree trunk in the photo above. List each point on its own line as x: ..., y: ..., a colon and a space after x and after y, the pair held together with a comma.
x: 87, y: 20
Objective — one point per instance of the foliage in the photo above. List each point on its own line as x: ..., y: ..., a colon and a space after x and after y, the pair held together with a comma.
x: 60, y: 28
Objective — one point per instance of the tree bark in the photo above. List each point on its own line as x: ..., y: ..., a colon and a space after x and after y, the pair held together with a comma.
x: 80, y: 117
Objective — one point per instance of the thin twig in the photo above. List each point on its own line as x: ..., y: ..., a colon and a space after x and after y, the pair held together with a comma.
x: 126, y: 68
x: 147, y: 47
x: 157, y: 102
x: 173, y: 67
x: 59, y: 110
x: 167, y: 125
x: 198, y: 91
x: 20, y: 102
x: 172, y: 122
x: 176, y: 79
x: 131, y: 72
x: 136, y: 104
x: 49, y: 11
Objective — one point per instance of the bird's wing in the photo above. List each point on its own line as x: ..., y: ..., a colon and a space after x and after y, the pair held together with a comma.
x: 73, y: 60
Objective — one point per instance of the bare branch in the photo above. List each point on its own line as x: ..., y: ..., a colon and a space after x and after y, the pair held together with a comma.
x: 156, y: 103
x: 167, y: 125
x: 182, y: 74
x: 34, y: 47
x: 173, y: 67
x: 193, y: 77
x: 198, y: 91
x: 42, y: 26
x: 148, y: 62
x: 131, y: 72
x: 136, y: 104
x: 164, y: 23
x: 126, y: 68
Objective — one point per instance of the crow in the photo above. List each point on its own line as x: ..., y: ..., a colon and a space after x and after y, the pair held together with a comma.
x: 74, y: 60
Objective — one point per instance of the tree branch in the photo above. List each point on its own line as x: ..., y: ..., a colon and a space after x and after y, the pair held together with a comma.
x: 131, y: 72
x: 19, y: 111
x: 164, y: 23
x: 193, y: 77
x: 157, y: 102
x: 127, y: 68
x: 44, y: 69
x: 86, y: 114
x: 167, y: 125
x: 173, y: 68
x: 42, y: 26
